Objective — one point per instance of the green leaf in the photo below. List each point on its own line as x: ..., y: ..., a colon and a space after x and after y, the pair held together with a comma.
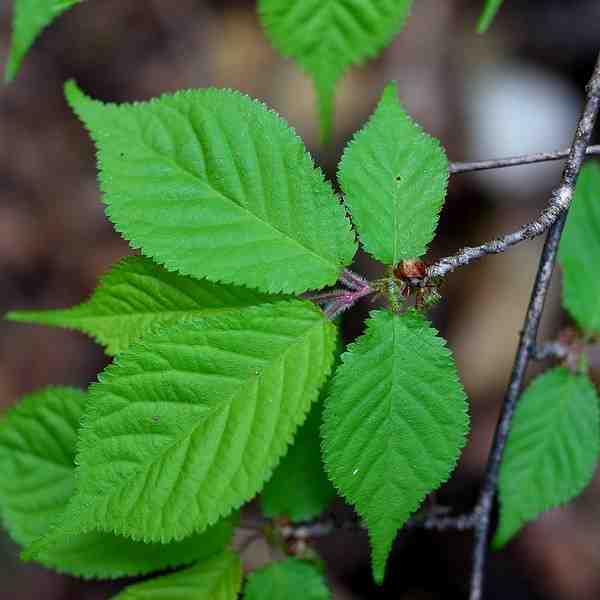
x: 218, y: 578
x: 289, y: 579
x: 30, y: 18
x: 552, y: 449
x: 37, y: 452
x: 190, y: 422
x: 394, y: 423
x: 487, y: 16
x: 579, y: 251
x: 99, y: 555
x: 210, y: 183
x: 299, y: 488
x: 326, y: 38
x: 394, y: 177
x: 136, y: 295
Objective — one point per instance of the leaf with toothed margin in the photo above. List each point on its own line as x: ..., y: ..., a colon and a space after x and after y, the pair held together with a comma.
x: 327, y: 38
x: 579, y: 251
x: 394, y: 177
x: 100, y: 555
x: 395, y: 421
x: 30, y: 18
x: 552, y: 449
x: 299, y: 488
x: 490, y: 10
x: 218, y: 578
x: 191, y: 420
x: 289, y: 579
x: 37, y: 453
x: 136, y: 295
x: 211, y: 183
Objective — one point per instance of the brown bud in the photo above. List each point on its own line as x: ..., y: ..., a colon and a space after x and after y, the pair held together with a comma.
x: 410, y: 269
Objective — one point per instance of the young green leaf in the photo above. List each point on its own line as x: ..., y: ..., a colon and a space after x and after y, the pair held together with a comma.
x: 326, y: 38
x: 394, y: 177
x: 191, y: 420
x: 37, y: 451
x: 30, y: 18
x: 218, y: 578
x: 552, y: 449
x: 579, y: 251
x: 137, y: 294
x: 37, y: 454
x: 211, y: 183
x: 394, y: 423
x: 487, y: 16
x: 299, y: 488
x: 289, y: 579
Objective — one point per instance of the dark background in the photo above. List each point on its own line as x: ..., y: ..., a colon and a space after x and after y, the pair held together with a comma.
x: 515, y: 90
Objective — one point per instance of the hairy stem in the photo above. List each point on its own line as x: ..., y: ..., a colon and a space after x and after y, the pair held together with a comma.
x: 560, y: 201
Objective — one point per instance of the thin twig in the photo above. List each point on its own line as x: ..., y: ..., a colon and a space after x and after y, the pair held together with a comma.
x: 513, y: 161
x: 530, y: 328
x: 353, y: 280
x: 549, y: 350
x: 559, y: 202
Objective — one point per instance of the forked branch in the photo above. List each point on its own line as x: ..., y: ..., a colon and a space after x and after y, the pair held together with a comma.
x: 560, y: 202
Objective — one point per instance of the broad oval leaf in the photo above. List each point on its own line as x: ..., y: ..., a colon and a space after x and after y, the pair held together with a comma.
x: 394, y: 177
x: 394, y: 423
x: 211, y: 183
x: 37, y: 454
x: 136, y: 295
x: 189, y: 422
x: 490, y: 10
x: 30, y: 18
x: 299, y: 488
x: 289, y: 579
x: 579, y: 251
x: 326, y: 38
x: 552, y: 449
x: 218, y: 578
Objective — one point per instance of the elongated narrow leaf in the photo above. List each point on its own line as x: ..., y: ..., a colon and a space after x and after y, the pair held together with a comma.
x: 326, y: 38
x: 579, y: 251
x: 552, y: 449
x: 189, y: 422
x: 394, y: 423
x: 136, y: 295
x: 487, y: 16
x: 210, y: 183
x: 218, y: 578
x: 29, y: 19
x: 394, y: 177
x: 37, y: 453
x: 299, y: 488
x: 290, y: 579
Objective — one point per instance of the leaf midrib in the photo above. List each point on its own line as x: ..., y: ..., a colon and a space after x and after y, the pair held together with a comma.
x: 242, y: 208
x: 210, y: 412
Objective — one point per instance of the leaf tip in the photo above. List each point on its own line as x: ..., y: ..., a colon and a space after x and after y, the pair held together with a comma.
x: 72, y: 91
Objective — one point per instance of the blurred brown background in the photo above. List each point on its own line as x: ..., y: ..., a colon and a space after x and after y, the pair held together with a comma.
x: 515, y: 90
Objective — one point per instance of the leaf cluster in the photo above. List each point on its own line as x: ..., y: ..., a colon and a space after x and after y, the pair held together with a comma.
x: 218, y: 359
